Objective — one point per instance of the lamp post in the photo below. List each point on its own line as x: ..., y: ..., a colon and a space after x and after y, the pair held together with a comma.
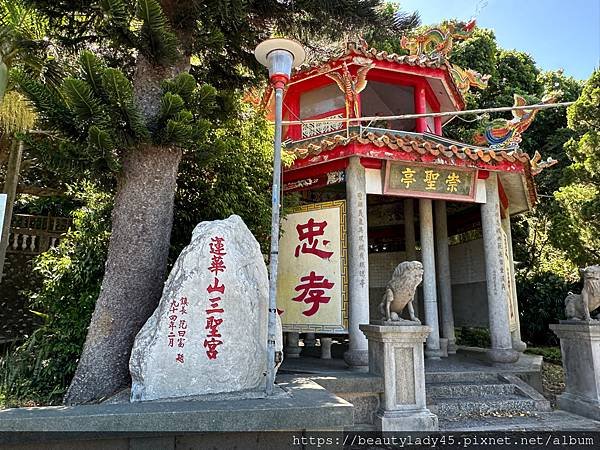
x: 279, y: 56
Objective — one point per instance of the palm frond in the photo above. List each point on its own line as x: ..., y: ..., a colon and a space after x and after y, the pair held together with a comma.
x: 86, y: 106
x: 92, y: 69
x: 49, y: 104
x: 119, y: 92
x: 182, y: 85
x: 156, y: 40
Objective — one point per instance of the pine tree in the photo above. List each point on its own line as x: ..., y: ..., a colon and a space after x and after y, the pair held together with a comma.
x: 138, y: 100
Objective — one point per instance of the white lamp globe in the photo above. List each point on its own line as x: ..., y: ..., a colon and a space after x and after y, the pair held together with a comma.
x: 280, y: 56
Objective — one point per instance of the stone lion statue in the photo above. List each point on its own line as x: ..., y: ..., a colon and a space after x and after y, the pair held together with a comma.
x: 400, y: 292
x: 579, y: 306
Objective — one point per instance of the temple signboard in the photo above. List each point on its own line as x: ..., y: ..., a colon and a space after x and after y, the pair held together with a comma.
x: 312, y: 292
x: 413, y: 180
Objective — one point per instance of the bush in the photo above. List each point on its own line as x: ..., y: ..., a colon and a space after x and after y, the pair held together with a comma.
x: 541, y: 302
x: 473, y: 337
x: 39, y: 370
x: 551, y: 354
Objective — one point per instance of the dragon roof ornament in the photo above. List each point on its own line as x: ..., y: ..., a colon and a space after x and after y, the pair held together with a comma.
x: 506, y: 134
x: 436, y: 42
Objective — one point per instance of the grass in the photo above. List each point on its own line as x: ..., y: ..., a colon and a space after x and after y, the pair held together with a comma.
x: 550, y: 354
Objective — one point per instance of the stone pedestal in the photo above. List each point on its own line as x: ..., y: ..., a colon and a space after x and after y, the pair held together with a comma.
x: 396, y: 355
x: 580, y: 346
x: 292, y: 349
x: 310, y: 340
x: 326, y: 347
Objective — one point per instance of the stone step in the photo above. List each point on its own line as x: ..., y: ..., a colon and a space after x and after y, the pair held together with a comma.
x: 457, y: 407
x: 460, y: 377
x: 537, y: 421
x: 460, y: 390
x: 486, y: 394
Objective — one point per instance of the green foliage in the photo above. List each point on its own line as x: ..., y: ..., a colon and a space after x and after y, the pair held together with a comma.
x: 220, y: 34
x: 233, y: 176
x: 479, y: 53
x: 40, y: 369
x: 382, y: 39
x: 551, y: 354
x: 541, y: 302
x: 473, y: 337
x: 184, y: 108
x: 157, y: 41
x: 576, y: 226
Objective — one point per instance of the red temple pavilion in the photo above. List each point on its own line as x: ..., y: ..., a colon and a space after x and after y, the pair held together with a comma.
x: 400, y: 191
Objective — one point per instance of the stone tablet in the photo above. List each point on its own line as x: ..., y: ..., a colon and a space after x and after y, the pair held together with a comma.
x: 209, y: 332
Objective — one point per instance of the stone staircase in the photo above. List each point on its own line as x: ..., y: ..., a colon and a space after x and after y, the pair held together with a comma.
x: 457, y: 396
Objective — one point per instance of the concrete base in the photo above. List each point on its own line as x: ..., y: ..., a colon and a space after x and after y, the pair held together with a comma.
x: 452, y: 347
x: 292, y: 349
x: 357, y: 360
x: 580, y: 347
x: 310, y: 340
x: 303, y: 405
x: 579, y: 405
x: 444, y: 347
x: 434, y: 354
x: 502, y: 355
x: 519, y: 346
x: 396, y: 355
x: 409, y: 420
x: 326, y: 347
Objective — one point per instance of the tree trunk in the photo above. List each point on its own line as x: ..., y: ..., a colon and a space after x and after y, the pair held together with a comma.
x: 142, y: 219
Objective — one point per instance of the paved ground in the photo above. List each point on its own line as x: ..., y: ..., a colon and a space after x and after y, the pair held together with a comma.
x: 468, y: 361
x: 465, y: 362
x: 541, y: 421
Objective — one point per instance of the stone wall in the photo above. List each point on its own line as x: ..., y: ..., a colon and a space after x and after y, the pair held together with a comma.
x: 469, y: 289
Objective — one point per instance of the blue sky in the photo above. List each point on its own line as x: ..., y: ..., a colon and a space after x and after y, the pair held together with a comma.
x: 556, y: 33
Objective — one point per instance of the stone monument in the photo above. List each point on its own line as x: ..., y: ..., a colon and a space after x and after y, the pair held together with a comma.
x: 396, y: 355
x: 208, y: 334
x: 580, y: 346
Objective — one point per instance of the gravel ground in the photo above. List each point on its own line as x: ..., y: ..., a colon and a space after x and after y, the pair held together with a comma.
x: 553, y: 377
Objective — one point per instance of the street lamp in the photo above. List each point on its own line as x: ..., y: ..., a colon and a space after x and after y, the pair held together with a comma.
x: 279, y: 56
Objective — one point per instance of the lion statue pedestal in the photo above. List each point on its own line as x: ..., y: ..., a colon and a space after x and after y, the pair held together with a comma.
x: 580, y: 346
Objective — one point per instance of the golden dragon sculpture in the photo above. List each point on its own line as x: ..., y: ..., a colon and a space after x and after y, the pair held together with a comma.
x: 351, y: 85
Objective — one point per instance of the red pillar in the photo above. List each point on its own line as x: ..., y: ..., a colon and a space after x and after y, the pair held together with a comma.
x: 437, y: 123
x: 420, y: 108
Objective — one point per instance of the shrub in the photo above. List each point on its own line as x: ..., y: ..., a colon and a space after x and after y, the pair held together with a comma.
x: 40, y: 369
x: 541, y: 302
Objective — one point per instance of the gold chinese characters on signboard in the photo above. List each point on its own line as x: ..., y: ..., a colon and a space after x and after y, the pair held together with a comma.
x: 429, y: 182
x: 312, y: 274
